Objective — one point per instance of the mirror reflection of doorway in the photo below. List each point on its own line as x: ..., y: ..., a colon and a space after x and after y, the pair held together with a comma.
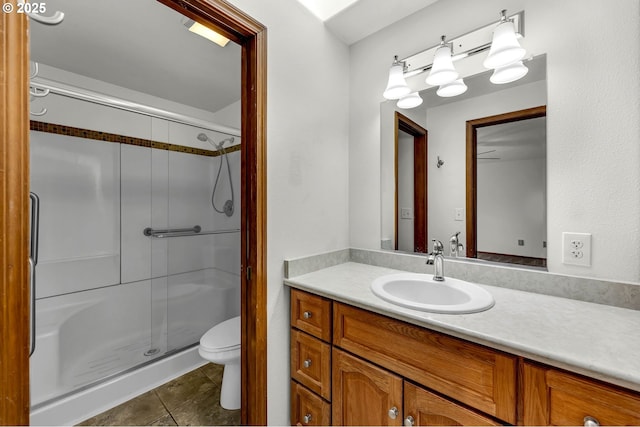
x: 506, y: 182
x: 411, y: 185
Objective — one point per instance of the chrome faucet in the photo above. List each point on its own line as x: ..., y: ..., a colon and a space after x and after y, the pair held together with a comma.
x: 437, y: 260
x: 455, y: 247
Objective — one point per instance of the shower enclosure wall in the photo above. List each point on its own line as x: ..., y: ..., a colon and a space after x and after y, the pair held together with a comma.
x: 110, y: 297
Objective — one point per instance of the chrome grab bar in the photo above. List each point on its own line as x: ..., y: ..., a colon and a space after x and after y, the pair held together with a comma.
x: 33, y: 260
x: 150, y: 232
x: 178, y: 232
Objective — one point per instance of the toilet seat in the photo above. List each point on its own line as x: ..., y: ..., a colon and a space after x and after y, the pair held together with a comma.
x: 223, y: 337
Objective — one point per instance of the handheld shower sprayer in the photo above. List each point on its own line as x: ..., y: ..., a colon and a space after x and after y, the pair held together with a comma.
x: 219, y: 146
x: 229, y: 205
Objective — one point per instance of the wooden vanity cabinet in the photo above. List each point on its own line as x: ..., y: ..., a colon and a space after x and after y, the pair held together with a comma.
x: 477, y: 376
x: 364, y: 394
x: 555, y: 397
x: 424, y: 408
x: 350, y: 366
x: 310, y: 359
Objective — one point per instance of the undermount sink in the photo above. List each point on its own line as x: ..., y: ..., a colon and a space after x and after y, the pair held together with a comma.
x: 421, y: 292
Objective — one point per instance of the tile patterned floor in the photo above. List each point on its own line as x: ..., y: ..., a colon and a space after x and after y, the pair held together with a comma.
x: 192, y: 399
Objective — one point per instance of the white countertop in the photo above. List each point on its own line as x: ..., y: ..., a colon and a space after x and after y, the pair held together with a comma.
x: 597, y: 340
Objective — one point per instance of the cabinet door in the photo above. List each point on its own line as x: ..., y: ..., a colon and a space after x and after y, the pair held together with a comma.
x: 423, y: 408
x: 554, y: 397
x: 364, y: 394
x: 307, y: 408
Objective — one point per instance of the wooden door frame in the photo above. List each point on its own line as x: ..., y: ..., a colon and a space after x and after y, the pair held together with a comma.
x: 472, y: 165
x: 14, y: 208
x: 420, y: 200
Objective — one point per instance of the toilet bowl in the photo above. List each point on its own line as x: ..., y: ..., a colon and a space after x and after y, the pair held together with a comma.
x: 221, y: 345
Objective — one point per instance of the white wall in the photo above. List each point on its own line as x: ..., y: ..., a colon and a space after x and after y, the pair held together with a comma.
x: 592, y: 127
x: 307, y: 162
x: 512, y: 209
x: 447, y: 139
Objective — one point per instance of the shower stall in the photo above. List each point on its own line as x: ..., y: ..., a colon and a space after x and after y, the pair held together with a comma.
x: 132, y: 263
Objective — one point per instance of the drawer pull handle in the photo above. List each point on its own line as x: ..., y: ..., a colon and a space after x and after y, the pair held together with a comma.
x: 393, y: 413
x: 307, y: 315
x: 306, y: 419
x: 409, y: 421
x: 307, y: 363
x: 590, y: 422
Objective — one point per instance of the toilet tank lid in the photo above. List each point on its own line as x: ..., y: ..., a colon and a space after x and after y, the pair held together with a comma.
x: 223, y: 335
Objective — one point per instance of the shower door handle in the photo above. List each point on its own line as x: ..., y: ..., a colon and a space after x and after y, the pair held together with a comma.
x: 35, y: 225
x: 33, y: 261
x: 32, y: 306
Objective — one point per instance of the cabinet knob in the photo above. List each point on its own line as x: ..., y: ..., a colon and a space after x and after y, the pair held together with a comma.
x: 307, y: 315
x: 306, y: 419
x: 409, y: 421
x: 590, y: 422
x: 393, y: 413
x: 307, y: 363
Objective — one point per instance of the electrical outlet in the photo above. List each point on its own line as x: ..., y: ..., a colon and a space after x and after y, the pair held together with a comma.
x: 576, y: 249
x: 405, y: 213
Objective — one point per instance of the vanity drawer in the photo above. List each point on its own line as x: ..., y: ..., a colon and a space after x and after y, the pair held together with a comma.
x: 311, y: 363
x: 307, y: 408
x: 311, y: 313
x: 472, y: 374
x: 555, y: 397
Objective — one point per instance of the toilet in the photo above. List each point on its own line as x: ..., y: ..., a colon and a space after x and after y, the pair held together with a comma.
x: 221, y: 345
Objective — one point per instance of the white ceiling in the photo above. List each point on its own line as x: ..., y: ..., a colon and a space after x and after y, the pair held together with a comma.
x: 143, y: 45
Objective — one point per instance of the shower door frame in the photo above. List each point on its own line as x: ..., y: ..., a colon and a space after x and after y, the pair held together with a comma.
x: 14, y: 205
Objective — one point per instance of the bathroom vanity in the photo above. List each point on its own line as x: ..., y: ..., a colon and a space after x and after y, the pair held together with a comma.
x: 357, y: 360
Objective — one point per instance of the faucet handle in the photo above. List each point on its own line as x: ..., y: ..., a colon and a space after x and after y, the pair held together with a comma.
x: 438, y: 247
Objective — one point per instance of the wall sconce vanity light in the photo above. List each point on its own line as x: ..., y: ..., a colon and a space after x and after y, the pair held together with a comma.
x: 505, y: 58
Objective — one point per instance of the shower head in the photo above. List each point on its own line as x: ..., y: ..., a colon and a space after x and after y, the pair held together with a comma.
x: 204, y: 138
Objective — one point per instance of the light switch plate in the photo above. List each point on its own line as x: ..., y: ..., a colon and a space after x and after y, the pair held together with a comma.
x: 459, y: 214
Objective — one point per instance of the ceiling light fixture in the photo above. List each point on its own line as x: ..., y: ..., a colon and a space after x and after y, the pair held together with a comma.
x: 509, y: 73
x: 396, y: 86
x: 505, y: 57
x: 455, y: 88
x: 410, y: 101
x: 505, y: 48
x: 206, y: 32
x: 442, y: 70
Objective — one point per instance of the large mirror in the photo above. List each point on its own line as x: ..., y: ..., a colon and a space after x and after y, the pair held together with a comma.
x: 485, y: 180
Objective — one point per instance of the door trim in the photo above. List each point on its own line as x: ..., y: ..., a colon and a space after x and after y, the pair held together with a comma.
x: 472, y: 165
x: 420, y: 200
x: 14, y: 222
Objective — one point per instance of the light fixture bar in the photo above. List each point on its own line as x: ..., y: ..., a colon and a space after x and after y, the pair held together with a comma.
x: 468, y: 44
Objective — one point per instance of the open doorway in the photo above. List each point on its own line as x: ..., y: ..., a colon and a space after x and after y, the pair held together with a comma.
x: 411, y: 185
x: 16, y: 297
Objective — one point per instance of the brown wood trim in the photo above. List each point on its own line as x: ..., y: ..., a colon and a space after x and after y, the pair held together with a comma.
x: 512, y: 259
x: 122, y: 139
x: 14, y: 222
x: 472, y: 165
x: 241, y: 28
x: 420, y: 200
